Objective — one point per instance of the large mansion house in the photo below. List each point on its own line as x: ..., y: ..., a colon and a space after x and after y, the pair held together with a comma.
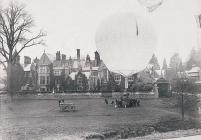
x: 59, y: 74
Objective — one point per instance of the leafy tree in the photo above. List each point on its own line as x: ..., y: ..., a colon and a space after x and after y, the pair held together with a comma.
x: 164, y: 65
x: 143, y: 83
x: 69, y: 84
x: 15, y: 36
x: 34, y: 79
x: 180, y: 67
x: 192, y: 60
x: 175, y: 66
x: 110, y: 85
x: 154, y: 62
x: 175, y: 61
x: 84, y: 85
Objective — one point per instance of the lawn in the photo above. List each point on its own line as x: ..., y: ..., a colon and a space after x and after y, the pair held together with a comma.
x: 41, y: 119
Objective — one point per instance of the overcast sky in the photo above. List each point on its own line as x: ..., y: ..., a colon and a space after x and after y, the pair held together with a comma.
x: 71, y: 24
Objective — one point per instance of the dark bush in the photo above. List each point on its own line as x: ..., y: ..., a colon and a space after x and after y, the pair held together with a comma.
x: 142, y: 87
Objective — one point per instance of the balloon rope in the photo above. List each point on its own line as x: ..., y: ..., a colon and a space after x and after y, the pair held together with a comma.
x: 137, y: 32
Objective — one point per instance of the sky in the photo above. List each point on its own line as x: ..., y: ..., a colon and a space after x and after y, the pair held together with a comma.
x: 72, y: 24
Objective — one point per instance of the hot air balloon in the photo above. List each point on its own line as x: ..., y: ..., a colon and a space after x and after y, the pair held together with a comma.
x: 125, y: 43
x: 151, y: 5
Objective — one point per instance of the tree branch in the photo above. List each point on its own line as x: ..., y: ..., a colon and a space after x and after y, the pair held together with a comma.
x: 4, y: 65
x: 31, y: 42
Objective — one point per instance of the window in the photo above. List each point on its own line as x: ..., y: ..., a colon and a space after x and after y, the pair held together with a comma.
x: 130, y: 78
x: 95, y: 73
x: 27, y: 74
x: 117, y: 77
x: 79, y: 83
x: 42, y: 89
x: 42, y: 80
x: 57, y: 81
x: 42, y: 69
x: 57, y: 72
x: 48, y: 80
x: 47, y: 69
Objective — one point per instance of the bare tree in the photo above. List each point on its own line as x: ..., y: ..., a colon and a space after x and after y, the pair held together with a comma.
x: 15, y: 36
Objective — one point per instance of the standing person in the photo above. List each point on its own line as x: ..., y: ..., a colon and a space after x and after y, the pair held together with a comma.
x: 138, y: 102
x: 106, y: 101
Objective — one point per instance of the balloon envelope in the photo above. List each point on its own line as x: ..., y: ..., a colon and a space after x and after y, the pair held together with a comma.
x: 125, y: 43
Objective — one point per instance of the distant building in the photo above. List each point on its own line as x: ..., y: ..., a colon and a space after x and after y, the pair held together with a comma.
x: 194, y: 73
x: 61, y: 74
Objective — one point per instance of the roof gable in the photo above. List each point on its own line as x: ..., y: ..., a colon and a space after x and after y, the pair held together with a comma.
x: 46, y: 59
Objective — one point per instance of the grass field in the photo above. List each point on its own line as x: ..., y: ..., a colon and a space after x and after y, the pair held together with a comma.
x: 41, y: 119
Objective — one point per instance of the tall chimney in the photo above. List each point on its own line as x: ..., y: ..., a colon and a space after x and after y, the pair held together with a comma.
x: 36, y: 60
x: 58, y: 56
x: 63, y: 57
x: 78, y: 54
x: 97, y: 59
x: 27, y: 60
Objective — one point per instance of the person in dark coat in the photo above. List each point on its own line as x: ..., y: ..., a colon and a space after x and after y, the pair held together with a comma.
x: 138, y: 102
x: 59, y: 102
x: 106, y: 101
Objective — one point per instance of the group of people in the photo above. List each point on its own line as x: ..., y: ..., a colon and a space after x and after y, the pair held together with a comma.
x: 125, y: 102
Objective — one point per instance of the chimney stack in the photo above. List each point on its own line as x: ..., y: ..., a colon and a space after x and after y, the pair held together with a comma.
x: 27, y: 60
x: 78, y: 54
x: 63, y: 57
x: 36, y: 60
x: 58, y: 56
x: 97, y: 59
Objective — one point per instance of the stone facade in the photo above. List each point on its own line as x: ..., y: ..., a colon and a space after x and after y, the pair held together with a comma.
x: 54, y: 72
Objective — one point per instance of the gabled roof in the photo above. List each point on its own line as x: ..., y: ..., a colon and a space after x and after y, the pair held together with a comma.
x: 51, y: 57
x: 57, y: 63
x: 102, y: 66
x: 46, y: 59
x: 194, y: 69
x: 75, y: 64
x: 82, y: 62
